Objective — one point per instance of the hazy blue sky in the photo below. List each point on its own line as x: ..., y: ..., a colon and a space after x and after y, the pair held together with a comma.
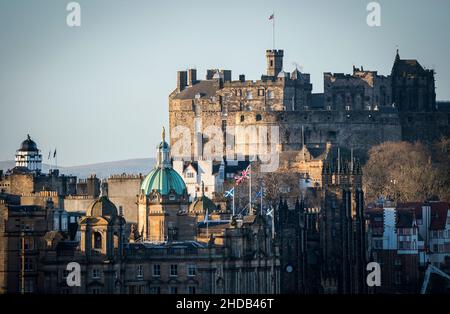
x: 100, y: 92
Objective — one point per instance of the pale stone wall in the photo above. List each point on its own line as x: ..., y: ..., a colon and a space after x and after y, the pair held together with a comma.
x: 123, y: 191
x: 78, y: 203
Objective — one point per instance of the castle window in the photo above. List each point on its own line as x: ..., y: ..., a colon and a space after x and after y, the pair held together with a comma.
x: 258, y: 117
x: 173, y: 290
x: 156, y: 270
x: 242, y: 118
x: 97, y: 240
x: 271, y: 63
x: 332, y: 136
x: 192, y: 270
x: 155, y: 290
x: 95, y: 273
x: 270, y: 94
x: 64, y: 223
x: 116, y: 241
x: 173, y: 270
x: 189, y: 175
x: 249, y: 95
x: 191, y: 290
x: 140, y: 271
x: 28, y: 264
x: 260, y: 92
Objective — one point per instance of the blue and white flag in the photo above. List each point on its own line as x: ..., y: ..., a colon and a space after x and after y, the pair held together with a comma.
x: 229, y: 193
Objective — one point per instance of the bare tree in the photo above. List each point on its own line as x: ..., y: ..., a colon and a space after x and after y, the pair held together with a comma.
x: 403, y: 172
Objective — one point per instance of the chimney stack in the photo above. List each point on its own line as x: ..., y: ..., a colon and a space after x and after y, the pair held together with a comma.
x: 181, y: 80
x: 192, y: 77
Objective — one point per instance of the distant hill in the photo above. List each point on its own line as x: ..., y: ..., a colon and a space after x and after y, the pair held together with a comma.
x: 102, y: 170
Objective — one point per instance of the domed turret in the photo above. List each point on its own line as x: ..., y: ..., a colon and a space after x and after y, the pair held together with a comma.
x: 28, y: 145
x: 163, y: 178
x: 101, y: 208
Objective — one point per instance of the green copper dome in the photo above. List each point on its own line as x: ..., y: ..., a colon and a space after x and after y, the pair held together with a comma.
x: 163, y: 180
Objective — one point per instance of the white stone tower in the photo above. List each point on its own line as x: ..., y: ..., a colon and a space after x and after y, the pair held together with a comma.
x: 28, y: 156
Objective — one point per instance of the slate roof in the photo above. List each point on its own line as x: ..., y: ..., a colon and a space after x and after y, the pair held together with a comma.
x: 206, y: 89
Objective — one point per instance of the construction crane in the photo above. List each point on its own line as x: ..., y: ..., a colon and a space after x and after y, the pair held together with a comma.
x: 431, y: 270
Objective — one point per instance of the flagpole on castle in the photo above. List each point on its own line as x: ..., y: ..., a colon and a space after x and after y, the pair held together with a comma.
x: 234, y: 210
x: 273, y: 29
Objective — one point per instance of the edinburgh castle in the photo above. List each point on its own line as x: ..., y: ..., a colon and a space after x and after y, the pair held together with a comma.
x: 355, y: 112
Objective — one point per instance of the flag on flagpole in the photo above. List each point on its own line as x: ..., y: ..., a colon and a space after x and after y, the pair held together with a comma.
x: 272, y: 16
x: 229, y: 193
x: 54, y: 154
x: 49, y: 153
x: 244, y: 175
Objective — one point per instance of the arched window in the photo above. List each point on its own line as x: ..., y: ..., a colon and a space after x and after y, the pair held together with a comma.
x: 258, y: 117
x: 97, y: 240
x: 116, y: 240
x: 242, y: 118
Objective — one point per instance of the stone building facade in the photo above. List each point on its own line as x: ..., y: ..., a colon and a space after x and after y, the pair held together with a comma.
x: 244, y: 259
x: 363, y: 90
x: 123, y: 190
x: 357, y: 111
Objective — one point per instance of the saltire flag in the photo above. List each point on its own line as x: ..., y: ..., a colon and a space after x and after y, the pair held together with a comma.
x: 229, y: 193
x: 270, y: 212
x: 272, y: 16
x: 258, y: 194
x: 244, y: 175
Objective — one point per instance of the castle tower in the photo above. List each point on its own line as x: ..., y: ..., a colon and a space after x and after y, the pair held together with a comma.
x: 413, y: 86
x: 28, y: 156
x: 274, y: 60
